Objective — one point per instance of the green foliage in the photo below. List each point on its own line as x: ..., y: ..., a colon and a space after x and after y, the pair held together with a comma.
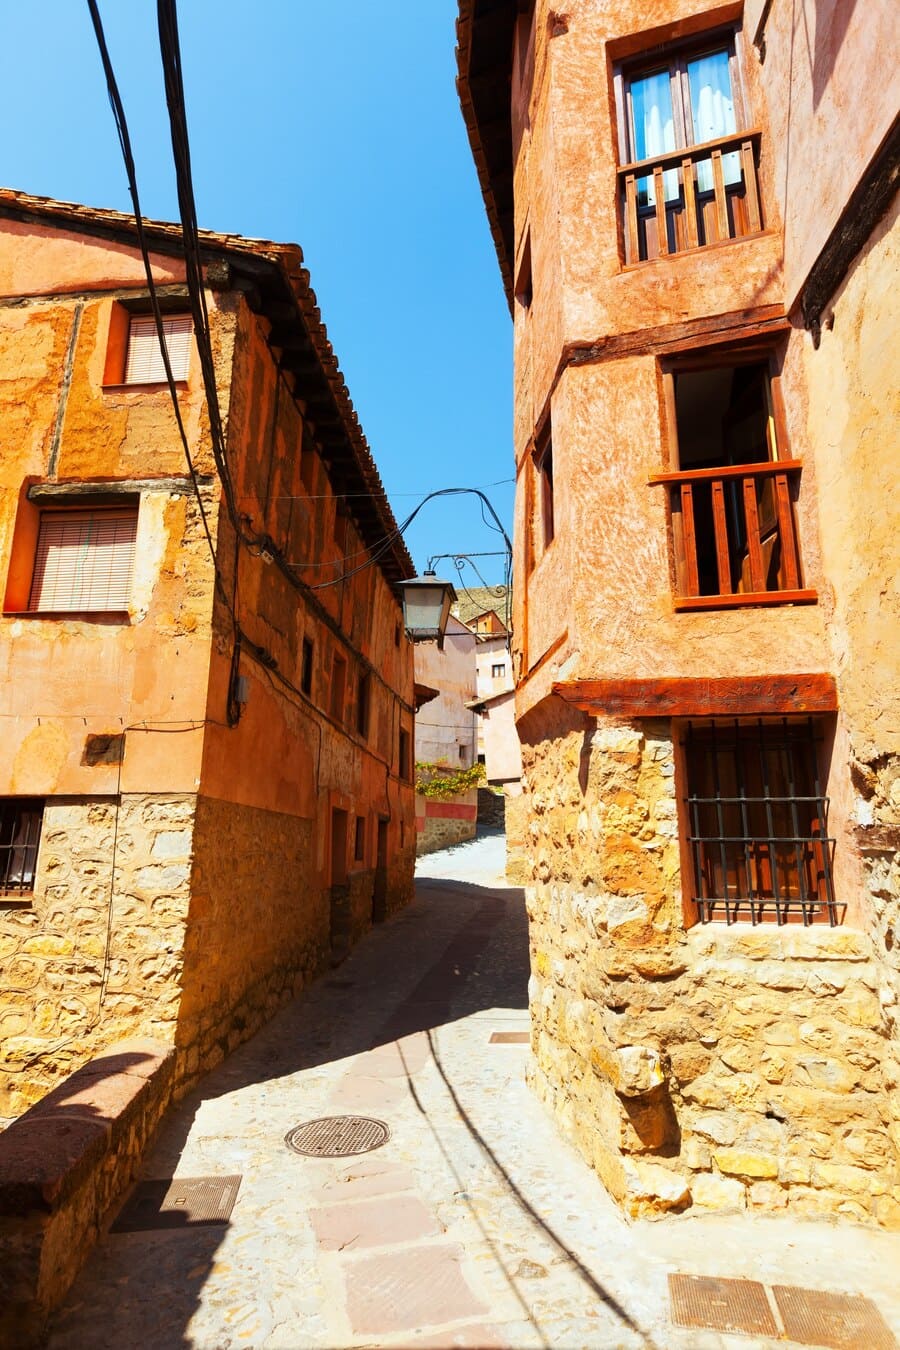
x: 441, y: 782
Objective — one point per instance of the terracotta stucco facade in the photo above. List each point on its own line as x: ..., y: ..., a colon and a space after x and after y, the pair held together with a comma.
x: 217, y: 825
x: 705, y: 1065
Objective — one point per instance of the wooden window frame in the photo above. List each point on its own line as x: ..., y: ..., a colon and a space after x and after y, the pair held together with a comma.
x: 674, y: 57
x: 780, y: 467
x: 750, y: 838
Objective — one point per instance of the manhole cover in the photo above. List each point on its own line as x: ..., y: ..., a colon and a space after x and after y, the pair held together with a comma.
x: 510, y: 1038
x: 841, y: 1321
x: 337, y: 1136
x: 721, y: 1305
x: 178, y: 1203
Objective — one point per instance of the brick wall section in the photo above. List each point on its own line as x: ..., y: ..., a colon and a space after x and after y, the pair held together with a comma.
x: 63, y: 1166
x: 56, y: 957
x: 719, y: 1068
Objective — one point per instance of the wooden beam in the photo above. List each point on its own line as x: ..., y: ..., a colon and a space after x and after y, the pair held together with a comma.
x: 726, y: 696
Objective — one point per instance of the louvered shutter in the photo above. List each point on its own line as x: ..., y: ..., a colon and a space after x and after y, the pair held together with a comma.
x: 84, y: 561
x: 145, y: 363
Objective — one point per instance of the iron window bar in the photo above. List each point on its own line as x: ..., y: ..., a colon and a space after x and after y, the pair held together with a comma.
x: 777, y: 856
x: 20, y: 837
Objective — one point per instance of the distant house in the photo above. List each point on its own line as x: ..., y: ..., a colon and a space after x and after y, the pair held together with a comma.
x: 446, y: 733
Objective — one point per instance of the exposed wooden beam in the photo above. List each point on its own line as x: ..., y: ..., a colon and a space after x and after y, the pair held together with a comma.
x: 726, y: 696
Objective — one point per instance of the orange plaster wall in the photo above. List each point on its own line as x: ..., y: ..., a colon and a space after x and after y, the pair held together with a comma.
x: 831, y: 89
x: 44, y: 260
x: 64, y: 678
x: 287, y: 754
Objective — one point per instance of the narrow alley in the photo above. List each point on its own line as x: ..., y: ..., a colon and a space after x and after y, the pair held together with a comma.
x: 474, y: 1225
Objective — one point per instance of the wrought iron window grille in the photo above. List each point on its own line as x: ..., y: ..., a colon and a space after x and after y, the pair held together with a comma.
x: 20, y: 837
x: 758, y: 823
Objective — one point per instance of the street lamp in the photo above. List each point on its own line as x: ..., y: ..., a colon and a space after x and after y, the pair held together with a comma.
x: 426, y: 607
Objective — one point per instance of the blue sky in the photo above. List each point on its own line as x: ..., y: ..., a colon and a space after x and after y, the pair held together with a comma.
x: 335, y: 125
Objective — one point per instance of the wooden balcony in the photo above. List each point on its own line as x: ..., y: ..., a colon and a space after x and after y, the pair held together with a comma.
x: 694, y: 216
x: 734, y: 535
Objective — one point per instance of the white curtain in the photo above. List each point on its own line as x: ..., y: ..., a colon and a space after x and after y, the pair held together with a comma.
x: 654, y: 130
x: 712, y: 112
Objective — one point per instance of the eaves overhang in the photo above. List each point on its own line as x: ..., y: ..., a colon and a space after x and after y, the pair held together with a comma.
x: 276, y: 286
x: 484, y: 45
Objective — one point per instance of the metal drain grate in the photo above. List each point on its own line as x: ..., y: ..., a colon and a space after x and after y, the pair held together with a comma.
x: 181, y: 1202
x: 510, y: 1038
x: 721, y: 1305
x: 337, y: 1136
x: 840, y: 1321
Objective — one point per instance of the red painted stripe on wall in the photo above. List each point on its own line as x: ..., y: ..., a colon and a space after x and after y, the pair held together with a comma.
x: 451, y: 810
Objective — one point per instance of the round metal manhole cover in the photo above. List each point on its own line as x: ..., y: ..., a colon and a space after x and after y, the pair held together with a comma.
x: 337, y: 1136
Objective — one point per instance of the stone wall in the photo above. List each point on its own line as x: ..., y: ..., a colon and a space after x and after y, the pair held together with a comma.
x: 441, y: 824
x: 718, y: 1067
x: 64, y: 1166
x: 257, y: 930
x: 91, y: 959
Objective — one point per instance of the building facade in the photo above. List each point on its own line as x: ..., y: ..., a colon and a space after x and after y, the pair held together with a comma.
x: 446, y: 736
x: 695, y: 217
x: 206, y: 761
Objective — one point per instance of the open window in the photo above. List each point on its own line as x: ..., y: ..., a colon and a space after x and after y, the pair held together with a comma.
x: 688, y: 174
x: 734, y: 483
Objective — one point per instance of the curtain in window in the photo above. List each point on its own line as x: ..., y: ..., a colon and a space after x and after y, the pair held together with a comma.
x: 653, y: 130
x: 712, y: 113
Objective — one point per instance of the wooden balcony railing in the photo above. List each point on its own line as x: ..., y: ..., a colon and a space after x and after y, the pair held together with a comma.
x: 734, y: 535
x: 693, y: 217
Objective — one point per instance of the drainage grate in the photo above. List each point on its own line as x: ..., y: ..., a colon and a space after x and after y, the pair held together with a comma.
x: 839, y: 1321
x: 721, y: 1305
x: 510, y: 1038
x: 181, y: 1202
x: 337, y: 1136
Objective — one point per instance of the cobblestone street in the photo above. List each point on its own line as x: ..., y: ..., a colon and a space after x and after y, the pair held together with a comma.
x: 475, y: 1225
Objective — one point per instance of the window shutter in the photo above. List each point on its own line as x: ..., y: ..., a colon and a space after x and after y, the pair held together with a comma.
x: 145, y: 362
x: 84, y: 561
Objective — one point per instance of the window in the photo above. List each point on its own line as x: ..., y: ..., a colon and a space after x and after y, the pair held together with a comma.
x: 83, y: 561
x: 306, y: 667
x: 524, y: 285
x: 462, y: 754
x: 757, y: 823
x: 359, y: 840
x: 498, y: 670
x: 689, y: 165
x: 544, y: 464
x: 732, y: 495
x: 338, y: 688
x: 20, y: 835
x: 403, y: 751
x: 362, y: 705
x: 144, y: 362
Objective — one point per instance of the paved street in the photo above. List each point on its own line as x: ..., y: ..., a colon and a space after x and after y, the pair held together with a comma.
x: 474, y: 1225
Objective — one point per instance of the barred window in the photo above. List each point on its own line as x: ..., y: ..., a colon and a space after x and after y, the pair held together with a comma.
x: 20, y: 836
x: 757, y: 822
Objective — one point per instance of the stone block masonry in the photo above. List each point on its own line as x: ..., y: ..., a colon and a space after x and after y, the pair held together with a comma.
x: 154, y: 949
x: 96, y: 955
x: 719, y: 1068
x: 63, y: 1167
